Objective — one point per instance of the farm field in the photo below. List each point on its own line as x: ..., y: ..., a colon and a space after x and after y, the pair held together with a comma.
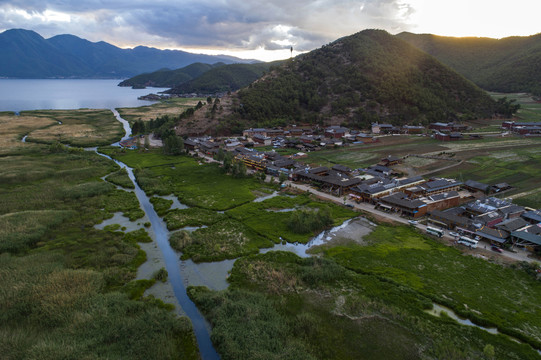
x: 492, y: 160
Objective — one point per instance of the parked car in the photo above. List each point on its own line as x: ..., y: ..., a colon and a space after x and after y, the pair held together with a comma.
x: 453, y: 234
x: 413, y: 222
x: 497, y: 249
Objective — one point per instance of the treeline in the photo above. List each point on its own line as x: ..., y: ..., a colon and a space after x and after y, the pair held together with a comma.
x: 363, y: 78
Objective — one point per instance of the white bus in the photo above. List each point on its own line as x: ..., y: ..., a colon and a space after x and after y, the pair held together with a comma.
x: 464, y: 240
x: 434, y: 231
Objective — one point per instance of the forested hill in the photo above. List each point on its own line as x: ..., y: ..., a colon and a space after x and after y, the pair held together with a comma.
x: 358, y: 79
x: 224, y: 78
x: 510, y: 64
x: 169, y: 78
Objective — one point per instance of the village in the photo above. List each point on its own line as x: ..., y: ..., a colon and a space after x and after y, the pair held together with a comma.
x: 469, y: 211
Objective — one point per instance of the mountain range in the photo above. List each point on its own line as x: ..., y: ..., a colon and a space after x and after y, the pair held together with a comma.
x: 26, y: 54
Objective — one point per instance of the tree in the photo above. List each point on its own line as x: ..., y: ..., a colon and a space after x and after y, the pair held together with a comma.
x: 282, y: 177
x: 173, y: 145
x: 147, y: 142
x: 489, y: 351
x: 209, y: 100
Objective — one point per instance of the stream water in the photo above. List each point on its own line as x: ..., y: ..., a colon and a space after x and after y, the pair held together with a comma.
x: 437, y: 309
x: 161, y: 237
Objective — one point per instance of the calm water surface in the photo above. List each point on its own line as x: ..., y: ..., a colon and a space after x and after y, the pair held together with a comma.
x: 41, y: 94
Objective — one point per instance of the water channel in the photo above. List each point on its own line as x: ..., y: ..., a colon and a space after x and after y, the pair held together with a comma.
x: 161, y: 237
x: 185, y: 272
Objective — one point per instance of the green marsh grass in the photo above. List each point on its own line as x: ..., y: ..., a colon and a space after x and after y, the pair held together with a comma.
x: 63, y: 282
x: 281, y: 306
x: 487, y: 293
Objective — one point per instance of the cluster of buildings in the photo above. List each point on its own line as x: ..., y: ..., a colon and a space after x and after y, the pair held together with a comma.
x: 497, y: 221
x: 523, y: 128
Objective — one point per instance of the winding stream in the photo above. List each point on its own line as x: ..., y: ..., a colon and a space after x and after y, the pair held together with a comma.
x: 161, y: 237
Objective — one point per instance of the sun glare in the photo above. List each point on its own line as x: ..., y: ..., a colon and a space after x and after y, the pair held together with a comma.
x: 481, y: 18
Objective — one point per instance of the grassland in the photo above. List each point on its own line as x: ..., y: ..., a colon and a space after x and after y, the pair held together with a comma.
x: 280, y: 306
x: 14, y: 128
x: 66, y: 287
x: 195, y: 184
x: 172, y: 107
x: 486, y: 293
x: 266, y: 219
x: 83, y: 128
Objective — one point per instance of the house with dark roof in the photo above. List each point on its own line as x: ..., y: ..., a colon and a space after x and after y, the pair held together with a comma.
x: 493, y: 236
x: 399, y: 202
x: 496, y: 188
x: 409, y: 129
x: 448, y: 219
x: 336, y: 132
x: 489, y: 219
x: 474, y: 186
x: 441, y: 201
x: 341, y: 168
x: 529, y: 237
x: 511, y: 225
x: 439, y: 185
x: 390, y: 161
x: 533, y: 216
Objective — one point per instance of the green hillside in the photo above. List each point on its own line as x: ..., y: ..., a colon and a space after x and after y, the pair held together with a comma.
x: 224, y: 78
x: 169, y: 78
x: 510, y: 64
x: 369, y: 76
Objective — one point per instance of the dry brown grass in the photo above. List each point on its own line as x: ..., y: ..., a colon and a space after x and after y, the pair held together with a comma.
x: 13, y: 128
x: 63, y: 132
x: 84, y: 127
x: 173, y: 108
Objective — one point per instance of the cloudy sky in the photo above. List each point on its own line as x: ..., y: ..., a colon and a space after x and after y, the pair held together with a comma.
x: 263, y: 29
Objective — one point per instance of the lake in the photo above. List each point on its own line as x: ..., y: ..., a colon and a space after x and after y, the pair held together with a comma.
x: 40, y: 94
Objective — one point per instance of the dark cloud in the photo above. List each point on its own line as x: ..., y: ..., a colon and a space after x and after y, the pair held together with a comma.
x: 228, y: 24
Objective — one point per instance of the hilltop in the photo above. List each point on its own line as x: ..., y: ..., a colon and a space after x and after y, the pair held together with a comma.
x: 169, y: 78
x: 224, y: 78
x: 26, y: 54
x: 511, y: 64
x: 356, y: 80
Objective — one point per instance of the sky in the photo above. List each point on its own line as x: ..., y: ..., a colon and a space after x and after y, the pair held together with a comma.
x: 263, y: 29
